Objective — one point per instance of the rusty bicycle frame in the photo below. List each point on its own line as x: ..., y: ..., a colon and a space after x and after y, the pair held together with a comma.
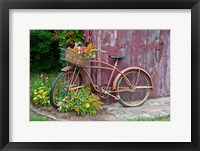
x: 113, y: 68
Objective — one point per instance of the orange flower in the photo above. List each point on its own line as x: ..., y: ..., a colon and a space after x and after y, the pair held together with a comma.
x: 86, y: 50
x: 70, y: 104
x: 94, y: 112
x: 100, y: 102
x: 76, y: 49
x: 96, y: 97
x: 72, y: 91
x: 77, y: 109
x: 88, y: 88
x: 89, y: 46
x: 76, y: 97
x: 91, y: 100
x: 85, y: 100
x: 97, y: 108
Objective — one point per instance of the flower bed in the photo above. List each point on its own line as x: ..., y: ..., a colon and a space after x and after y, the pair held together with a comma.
x: 82, y: 101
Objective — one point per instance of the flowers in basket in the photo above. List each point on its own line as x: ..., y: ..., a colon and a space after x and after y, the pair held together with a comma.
x: 84, y: 51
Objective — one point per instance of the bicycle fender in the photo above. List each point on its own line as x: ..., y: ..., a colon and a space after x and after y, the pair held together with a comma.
x: 129, y: 68
x: 67, y: 68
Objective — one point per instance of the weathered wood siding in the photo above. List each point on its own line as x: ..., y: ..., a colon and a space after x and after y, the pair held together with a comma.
x: 139, y: 47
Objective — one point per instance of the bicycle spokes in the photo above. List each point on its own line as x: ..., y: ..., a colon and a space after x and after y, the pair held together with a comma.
x: 136, y: 93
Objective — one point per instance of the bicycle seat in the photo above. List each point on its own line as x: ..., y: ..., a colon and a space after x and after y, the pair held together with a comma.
x: 117, y: 57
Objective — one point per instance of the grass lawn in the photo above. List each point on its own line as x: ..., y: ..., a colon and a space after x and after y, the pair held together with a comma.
x: 36, y: 117
x: 156, y: 118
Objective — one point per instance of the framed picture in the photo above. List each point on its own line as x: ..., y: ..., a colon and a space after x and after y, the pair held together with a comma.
x: 164, y: 36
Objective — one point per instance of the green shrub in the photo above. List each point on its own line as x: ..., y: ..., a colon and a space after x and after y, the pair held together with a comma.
x: 45, y: 48
x: 44, y: 52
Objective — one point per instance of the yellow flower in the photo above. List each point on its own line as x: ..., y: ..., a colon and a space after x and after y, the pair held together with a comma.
x: 76, y: 97
x: 48, y: 101
x: 94, y: 103
x: 87, y: 105
x: 94, y: 112
x: 35, y: 98
x: 35, y: 92
x: 43, y: 94
x: 77, y: 109
x: 41, y: 91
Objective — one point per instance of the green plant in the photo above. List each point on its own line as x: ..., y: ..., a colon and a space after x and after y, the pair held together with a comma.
x: 40, y: 92
x: 82, y: 101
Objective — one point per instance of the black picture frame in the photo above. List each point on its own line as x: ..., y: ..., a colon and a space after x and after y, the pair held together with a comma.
x: 5, y: 5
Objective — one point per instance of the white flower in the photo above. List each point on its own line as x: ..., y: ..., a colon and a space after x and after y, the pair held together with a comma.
x: 93, y: 56
x: 59, y: 103
x: 59, y: 108
x: 76, y: 44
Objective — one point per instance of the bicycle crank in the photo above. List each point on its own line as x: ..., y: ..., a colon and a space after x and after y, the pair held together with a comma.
x: 115, y: 97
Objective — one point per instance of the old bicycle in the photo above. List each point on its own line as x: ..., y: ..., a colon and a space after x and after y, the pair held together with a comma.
x: 131, y: 86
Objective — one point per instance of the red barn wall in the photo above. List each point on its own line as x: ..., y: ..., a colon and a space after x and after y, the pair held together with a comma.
x: 139, y: 47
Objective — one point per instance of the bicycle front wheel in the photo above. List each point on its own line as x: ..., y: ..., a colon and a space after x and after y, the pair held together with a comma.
x: 62, y: 84
x: 133, y: 97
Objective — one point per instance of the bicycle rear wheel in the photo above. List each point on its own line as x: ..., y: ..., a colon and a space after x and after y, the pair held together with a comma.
x: 137, y: 96
x: 61, y: 86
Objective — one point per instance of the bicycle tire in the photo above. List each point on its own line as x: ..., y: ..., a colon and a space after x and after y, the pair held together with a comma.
x: 54, y: 102
x: 140, y: 100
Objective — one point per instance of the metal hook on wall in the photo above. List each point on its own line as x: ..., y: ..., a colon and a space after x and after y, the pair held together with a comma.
x: 158, y: 49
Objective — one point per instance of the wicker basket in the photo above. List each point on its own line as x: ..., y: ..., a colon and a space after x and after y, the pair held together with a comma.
x: 74, y: 58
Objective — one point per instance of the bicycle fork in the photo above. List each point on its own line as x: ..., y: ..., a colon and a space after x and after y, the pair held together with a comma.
x: 72, y: 79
